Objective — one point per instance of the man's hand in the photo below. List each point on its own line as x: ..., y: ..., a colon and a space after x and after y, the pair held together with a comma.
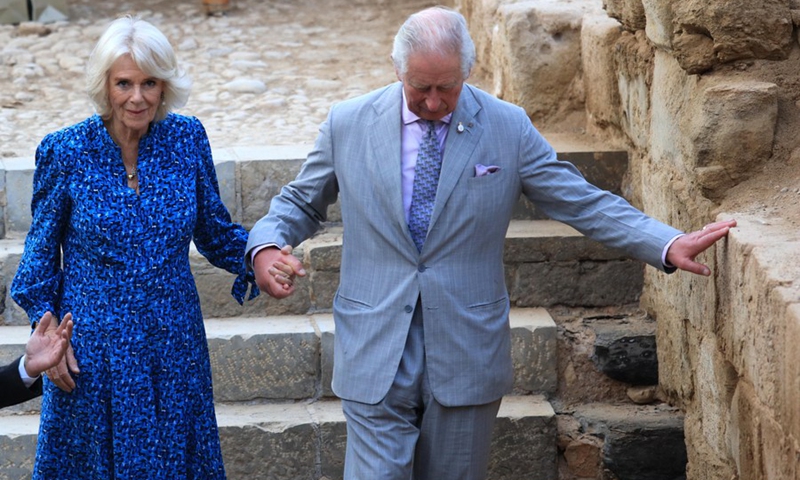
x: 682, y: 252
x: 275, y: 271
x: 49, y: 349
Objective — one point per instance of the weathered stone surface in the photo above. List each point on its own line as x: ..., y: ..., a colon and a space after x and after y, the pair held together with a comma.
x: 327, y: 332
x: 630, y: 359
x: 633, y: 59
x: 528, y: 421
x: 601, y: 87
x: 768, y: 254
x: 732, y: 30
x: 630, y: 13
x: 640, y: 443
x: 535, y: 55
x: 268, y: 441
x: 19, y: 188
x: 627, y: 352
x: 658, y: 25
x: 578, y: 283
x: 533, y: 351
x: 731, y: 133
x: 263, y: 358
x: 307, y: 440
x: 703, y: 34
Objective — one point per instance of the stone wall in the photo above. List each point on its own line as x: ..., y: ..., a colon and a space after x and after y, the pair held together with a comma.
x: 704, y: 96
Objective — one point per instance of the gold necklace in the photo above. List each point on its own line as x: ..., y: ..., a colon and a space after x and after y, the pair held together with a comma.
x: 131, y: 175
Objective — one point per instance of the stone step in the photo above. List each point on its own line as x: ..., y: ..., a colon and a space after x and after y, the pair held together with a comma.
x: 547, y: 263
x: 250, y: 176
x: 307, y: 440
x: 291, y: 357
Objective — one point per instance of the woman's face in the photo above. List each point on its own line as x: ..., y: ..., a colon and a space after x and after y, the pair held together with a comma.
x: 133, y: 95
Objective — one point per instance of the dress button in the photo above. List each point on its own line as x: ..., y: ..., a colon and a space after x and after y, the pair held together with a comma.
x: 409, y: 309
x: 421, y: 268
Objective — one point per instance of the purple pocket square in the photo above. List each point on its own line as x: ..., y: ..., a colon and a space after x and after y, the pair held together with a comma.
x: 482, y: 170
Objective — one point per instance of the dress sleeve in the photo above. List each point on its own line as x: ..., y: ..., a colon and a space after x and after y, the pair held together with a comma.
x: 216, y: 237
x: 37, y: 284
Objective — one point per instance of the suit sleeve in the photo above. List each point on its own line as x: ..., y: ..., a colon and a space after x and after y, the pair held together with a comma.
x: 298, y: 211
x: 12, y: 388
x: 561, y: 192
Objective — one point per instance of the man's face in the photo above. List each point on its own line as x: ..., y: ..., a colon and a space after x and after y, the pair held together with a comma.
x: 432, y: 84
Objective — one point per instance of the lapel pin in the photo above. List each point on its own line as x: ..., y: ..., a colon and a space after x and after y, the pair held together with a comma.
x: 460, y: 127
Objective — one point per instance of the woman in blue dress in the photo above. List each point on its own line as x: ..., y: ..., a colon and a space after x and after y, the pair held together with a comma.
x: 117, y: 200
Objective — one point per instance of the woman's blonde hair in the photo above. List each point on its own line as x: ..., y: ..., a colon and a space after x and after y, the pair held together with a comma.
x: 152, y: 53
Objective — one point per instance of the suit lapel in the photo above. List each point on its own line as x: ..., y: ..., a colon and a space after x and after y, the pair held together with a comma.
x: 458, y: 149
x: 384, y: 138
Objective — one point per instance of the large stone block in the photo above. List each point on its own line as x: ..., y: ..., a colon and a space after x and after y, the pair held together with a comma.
x: 588, y: 284
x: 630, y: 13
x: 599, y: 34
x: 268, y: 441
x: 534, y: 351
x: 640, y: 443
x: 536, y: 56
x: 263, y: 358
x: 791, y: 373
x: 627, y: 352
x: 528, y: 422
x: 633, y: 61
x: 706, y: 33
x: 18, y: 192
x: 658, y: 25
x: 17, y: 446
x: 731, y: 133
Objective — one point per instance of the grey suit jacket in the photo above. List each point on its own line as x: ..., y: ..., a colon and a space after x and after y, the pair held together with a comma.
x: 459, y: 274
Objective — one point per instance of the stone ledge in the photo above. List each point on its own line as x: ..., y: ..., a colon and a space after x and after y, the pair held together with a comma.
x: 306, y: 439
x: 250, y: 176
x: 547, y: 263
x: 291, y: 357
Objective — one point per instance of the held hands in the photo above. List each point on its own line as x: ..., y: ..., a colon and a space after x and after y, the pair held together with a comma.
x: 682, y: 252
x: 275, y: 271
x: 49, y: 349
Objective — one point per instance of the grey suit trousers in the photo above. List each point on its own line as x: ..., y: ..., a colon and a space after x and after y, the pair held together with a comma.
x: 409, y: 435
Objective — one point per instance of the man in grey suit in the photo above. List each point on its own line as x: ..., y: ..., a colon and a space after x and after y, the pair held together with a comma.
x: 19, y: 380
x: 422, y: 347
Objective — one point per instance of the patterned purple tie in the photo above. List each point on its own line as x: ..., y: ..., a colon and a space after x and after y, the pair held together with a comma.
x: 426, y: 179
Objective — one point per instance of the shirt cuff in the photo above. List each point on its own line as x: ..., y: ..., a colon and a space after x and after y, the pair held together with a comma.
x: 666, y: 249
x: 258, y: 248
x: 28, y: 381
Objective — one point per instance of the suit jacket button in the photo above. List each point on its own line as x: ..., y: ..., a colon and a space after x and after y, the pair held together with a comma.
x: 421, y: 268
x: 409, y: 309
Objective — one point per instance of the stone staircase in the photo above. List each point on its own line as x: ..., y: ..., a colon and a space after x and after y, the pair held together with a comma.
x: 272, y: 360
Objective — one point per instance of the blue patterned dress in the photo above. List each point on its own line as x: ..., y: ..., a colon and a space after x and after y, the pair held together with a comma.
x: 119, y: 261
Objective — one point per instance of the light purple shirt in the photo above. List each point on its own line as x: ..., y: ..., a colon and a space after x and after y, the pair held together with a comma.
x: 411, y: 135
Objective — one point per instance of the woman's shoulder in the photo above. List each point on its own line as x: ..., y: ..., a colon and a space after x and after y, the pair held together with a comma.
x: 175, y: 125
x: 76, y: 132
x: 73, y: 138
x: 179, y: 121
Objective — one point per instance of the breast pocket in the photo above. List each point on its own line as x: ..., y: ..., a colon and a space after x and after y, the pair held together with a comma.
x: 490, y: 194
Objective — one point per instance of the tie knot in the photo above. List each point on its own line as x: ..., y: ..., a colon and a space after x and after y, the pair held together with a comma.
x: 430, y: 126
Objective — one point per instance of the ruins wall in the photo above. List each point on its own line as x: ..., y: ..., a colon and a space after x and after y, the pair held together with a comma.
x: 704, y: 96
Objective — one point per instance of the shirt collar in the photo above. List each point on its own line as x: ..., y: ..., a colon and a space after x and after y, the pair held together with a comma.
x: 410, y: 117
